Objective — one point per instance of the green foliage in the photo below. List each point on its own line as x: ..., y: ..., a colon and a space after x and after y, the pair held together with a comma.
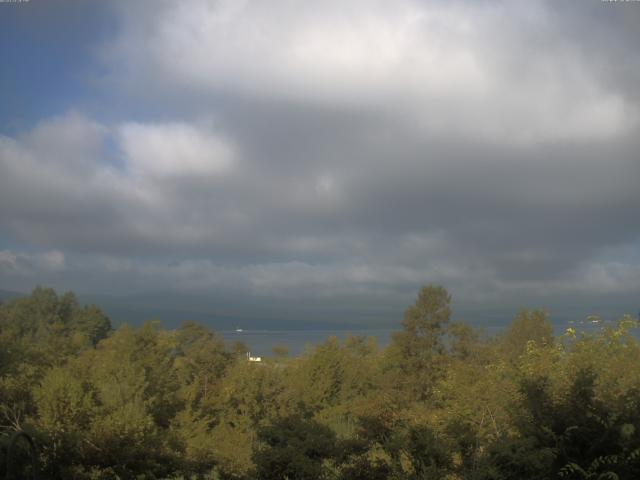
x: 440, y: 402
x: 295, y: 448
x: 526, y: 327
x: 417, y: 351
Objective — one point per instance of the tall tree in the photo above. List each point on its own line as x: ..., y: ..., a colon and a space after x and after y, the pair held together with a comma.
x: 527, y: 326
x: 419, y: 348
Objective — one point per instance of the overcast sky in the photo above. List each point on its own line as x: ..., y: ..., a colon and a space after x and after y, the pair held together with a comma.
x: 335, y: 151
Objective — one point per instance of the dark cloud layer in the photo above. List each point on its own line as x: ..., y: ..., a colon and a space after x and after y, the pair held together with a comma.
x: 341, y: 154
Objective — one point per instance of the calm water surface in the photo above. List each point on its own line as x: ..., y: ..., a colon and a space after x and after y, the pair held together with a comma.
x: 260, y: 342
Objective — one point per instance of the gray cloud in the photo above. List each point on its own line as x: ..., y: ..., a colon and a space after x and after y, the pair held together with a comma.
x: 343, y: 151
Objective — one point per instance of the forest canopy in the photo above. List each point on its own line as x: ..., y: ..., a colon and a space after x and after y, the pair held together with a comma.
x: 442, y: 401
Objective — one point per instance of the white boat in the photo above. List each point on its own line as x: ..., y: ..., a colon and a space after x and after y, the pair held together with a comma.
x: 239, y: 330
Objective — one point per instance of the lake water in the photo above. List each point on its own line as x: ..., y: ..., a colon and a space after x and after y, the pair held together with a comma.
x: 260, y: 342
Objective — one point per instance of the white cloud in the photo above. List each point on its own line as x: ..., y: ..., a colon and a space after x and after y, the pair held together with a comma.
x: 611, y: 277
x: 61, y: 181
x: 52, y: 260
x: 448, y: 66
x: 70, y: 141
x: 8, y: 261
x: 20, y: 263
x: 332, y: 51
x: 172, y: 149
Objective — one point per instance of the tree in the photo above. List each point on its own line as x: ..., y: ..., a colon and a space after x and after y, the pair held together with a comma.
x: 464, y: 341
x: 419, y: 348
x: 295, y: 448
x: 91, y: 322
x: 527, y: 326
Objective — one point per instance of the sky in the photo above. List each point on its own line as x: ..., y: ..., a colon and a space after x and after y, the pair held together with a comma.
x: 327, y: 156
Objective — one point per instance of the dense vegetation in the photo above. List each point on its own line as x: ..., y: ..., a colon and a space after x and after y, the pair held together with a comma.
x: 440, y: 402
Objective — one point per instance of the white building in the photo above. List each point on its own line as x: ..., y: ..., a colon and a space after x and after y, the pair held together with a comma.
x: 253, y: 359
